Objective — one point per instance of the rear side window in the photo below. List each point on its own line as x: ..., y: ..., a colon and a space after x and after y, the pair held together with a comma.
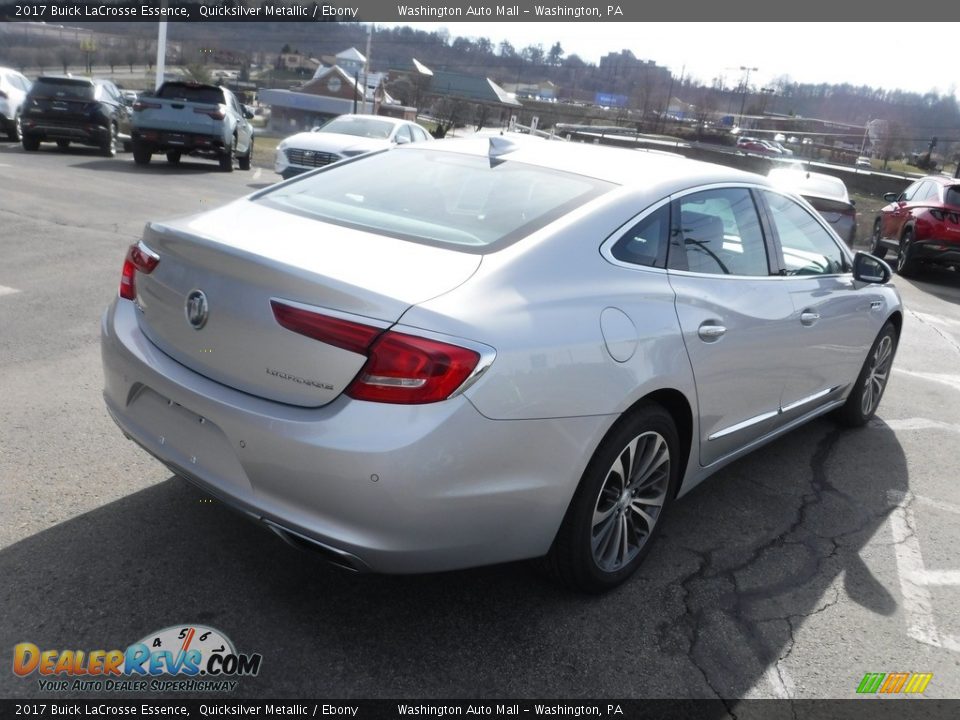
x: 446, y: 199
x: 646, y: 242
x: 717, y: 232
x: 951, y: 195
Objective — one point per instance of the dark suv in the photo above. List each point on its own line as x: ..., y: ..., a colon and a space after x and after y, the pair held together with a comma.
x: 80, y: 110
x: 921, y: 224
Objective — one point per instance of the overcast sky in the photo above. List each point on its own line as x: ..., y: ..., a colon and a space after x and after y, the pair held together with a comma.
x: 876, y: 54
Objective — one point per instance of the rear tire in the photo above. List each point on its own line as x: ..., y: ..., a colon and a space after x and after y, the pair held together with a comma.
x: 865, y: 397
x: 906, y: 264
x: 226, y: 160
x: 30, y: 143
x: 877, y: 249
x: 616, y: 510
x: 173, y: 157
x: 141, y: 154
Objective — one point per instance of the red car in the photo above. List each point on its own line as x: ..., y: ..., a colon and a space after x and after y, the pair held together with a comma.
x: 921, y: 224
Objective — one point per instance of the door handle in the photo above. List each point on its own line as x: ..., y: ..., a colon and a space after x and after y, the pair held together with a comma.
x: 808, y: 317
x: 710, y: 333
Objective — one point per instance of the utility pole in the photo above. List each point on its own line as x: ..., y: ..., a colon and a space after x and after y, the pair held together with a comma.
x: 161, y: 50
x: 366, y: 65
x: 746, y: 88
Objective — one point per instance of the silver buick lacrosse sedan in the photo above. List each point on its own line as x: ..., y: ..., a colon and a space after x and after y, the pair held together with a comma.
x: 489, y: 349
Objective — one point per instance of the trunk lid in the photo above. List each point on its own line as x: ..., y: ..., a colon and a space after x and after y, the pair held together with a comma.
x: 244, y: 255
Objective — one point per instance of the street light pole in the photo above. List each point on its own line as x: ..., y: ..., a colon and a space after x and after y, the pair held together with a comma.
x: 746, y: 86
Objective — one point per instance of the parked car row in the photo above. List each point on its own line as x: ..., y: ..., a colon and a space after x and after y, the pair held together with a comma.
x: 761, y: 146
x: 180, y: 118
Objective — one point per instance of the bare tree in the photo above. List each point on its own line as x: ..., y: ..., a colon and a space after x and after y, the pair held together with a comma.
x: 66, y: 56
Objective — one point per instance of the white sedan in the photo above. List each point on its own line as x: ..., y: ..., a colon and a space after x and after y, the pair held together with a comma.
x: 343, y: 137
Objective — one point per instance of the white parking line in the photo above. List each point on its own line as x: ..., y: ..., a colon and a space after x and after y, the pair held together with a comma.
x: 921, y: 424
x: 4, y: 290
x: 935, y: 319
x: 915, y: 579
x: 945, y: 378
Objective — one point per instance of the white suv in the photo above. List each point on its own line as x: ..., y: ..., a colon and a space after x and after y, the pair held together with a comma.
x: 13, y: 91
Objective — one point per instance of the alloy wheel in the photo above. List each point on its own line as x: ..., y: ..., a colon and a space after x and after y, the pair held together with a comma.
x: 877, y: 374
x: 630, y: 501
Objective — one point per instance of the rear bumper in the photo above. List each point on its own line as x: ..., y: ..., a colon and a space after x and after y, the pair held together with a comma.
x: 85, y: 134
x: 167, y: 141
x: 937, y: 251
x: 379, y: 487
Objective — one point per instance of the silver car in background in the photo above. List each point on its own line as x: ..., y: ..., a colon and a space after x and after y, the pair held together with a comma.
x: 343, y: 137
x: 483, y: 350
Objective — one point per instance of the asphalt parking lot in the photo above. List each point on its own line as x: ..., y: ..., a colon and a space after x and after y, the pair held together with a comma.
x: 824, y: 556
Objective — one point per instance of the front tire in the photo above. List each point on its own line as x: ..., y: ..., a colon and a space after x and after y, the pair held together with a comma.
x: 30, y: 143
x: 906, y: 264
x: 616, y: 511
x: 877, y: 249
x: 15, y: 133
x: 109, y: 147
x: 865, y: 397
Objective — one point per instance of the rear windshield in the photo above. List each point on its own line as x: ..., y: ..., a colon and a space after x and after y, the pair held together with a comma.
x: 63, y: 88
x: 951, y: 196
x: 191, y: 93
x: 438, y: 198
x: 361, y: 127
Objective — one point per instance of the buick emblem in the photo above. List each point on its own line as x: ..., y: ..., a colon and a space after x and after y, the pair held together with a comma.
x: 197, y: 309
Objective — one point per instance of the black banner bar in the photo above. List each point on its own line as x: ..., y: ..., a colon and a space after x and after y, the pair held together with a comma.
x: 67, y: 11
x: 872, y: 708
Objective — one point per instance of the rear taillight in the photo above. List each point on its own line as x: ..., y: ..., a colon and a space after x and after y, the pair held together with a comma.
x: 941, y: 215
x: 401, y: 368
x: 409, y: 370
x: 346, y: 334
x: 145, y: 105
x: 217, y: 113
x: 139, y: 258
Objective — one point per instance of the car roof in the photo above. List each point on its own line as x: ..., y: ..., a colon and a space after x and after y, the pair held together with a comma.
x: 620, y: 166
x: 944, y: 180
x: 805, y: 182
x: 68, y: 78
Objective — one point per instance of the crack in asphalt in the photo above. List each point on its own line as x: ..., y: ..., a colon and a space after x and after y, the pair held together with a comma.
x: 950, y: 341
x: 109, y: 227
x: 738, y: 603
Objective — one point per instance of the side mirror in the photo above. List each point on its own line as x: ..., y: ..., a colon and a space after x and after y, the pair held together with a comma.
x: 891, y: 197
x: 402, y: 140
x: 248, y: 112
x: 869, y: 269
